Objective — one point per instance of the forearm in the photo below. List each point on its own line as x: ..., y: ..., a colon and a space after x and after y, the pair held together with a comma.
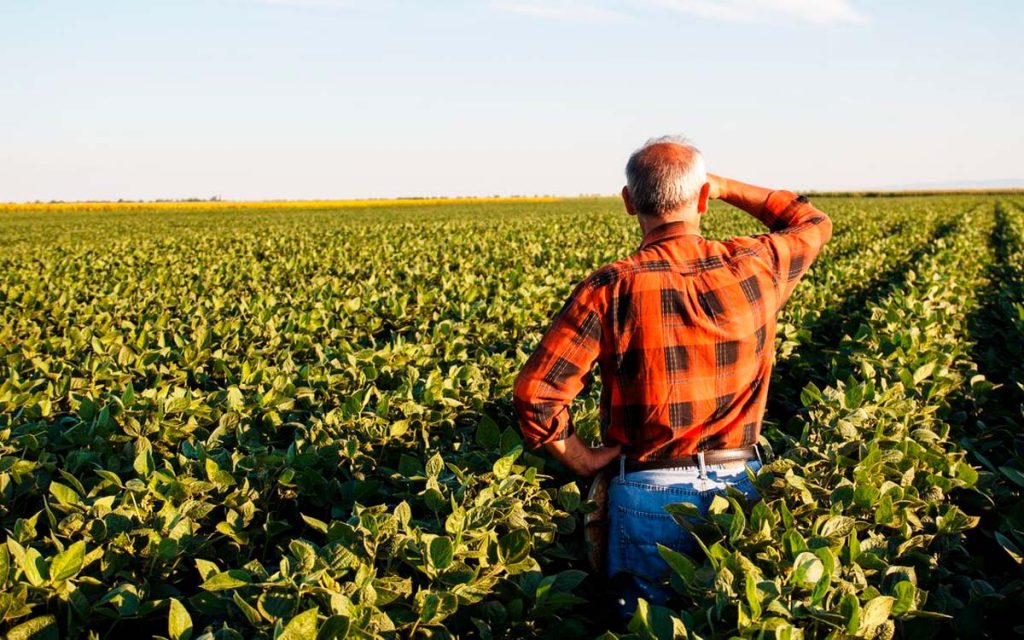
x: 741, y: 195
x: 579, y: 458
x: 778, y: 209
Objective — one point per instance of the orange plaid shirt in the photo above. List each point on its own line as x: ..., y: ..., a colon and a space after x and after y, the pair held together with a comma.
x: 683, y: 332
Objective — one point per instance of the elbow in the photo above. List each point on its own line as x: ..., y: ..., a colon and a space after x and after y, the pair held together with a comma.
x: 521, y: 394
x: 826, y: 228
x: 824, y: 224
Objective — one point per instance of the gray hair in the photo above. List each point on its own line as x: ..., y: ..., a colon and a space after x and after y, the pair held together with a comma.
x: 657, y: 187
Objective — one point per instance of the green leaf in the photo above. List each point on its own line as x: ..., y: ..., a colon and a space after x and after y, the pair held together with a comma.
x: 5, y: 567
x: 1013, y: 474
x: 753, y: 598
x: 64, y: 493
x: 67, y: 563
x: 903, y: 592
x: 441, y: 552
x: 922, y: 372
x: 144, y: 465
x: 206, y: 568
x: 514, y: 546
x: 876, y: 611
x: 837, y: 526
x: 40, y: 628
x: 655, y: 623
x: 488, y: 437
x: 821, y: 588
x: 810, y: 395
x: 179, y: 622
x: 849, y: 608
x: 1003, y: 541
x: 236, y: 401
x: 569, y: 496
x: 318, y: 525
x: 807, y: 569
x: 334, y: 628
x: 34, y: 566
x: 435, y: 465
x: 404, y: 514
x: 503, y: 465
x: 250, y: 612
x: 434, y: 606
x: 301, y: 627
x: 679, y: 563
x: 232, y: 579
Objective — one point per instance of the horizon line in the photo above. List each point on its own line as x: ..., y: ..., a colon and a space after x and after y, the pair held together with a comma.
x: 442, y: 199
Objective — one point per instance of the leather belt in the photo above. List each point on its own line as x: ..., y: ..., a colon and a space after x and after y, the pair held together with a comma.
x: 714, y: 456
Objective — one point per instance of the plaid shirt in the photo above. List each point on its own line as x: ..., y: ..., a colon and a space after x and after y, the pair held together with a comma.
x: 683, y: 332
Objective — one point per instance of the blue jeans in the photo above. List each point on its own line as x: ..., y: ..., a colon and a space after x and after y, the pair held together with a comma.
x: 638, y: 522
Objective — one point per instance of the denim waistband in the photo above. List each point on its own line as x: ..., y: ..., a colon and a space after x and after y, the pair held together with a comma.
x: 702, y: 469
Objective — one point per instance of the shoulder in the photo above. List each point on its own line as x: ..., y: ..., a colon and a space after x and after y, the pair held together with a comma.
x: 625, y: 270
x: 741, y: 247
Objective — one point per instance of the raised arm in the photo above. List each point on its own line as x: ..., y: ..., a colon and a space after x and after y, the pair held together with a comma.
x: 798, y: 229
x: 553, y: 377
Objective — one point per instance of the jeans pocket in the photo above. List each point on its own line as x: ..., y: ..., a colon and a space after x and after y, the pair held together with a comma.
x: 640, y: 533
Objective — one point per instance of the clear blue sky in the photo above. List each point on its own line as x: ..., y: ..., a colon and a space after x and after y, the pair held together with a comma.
x: 374, y: 98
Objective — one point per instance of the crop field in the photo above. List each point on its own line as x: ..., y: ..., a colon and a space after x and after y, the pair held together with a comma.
x: 295, y: 422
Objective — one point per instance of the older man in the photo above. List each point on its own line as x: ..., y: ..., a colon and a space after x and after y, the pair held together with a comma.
x: 682, y: 331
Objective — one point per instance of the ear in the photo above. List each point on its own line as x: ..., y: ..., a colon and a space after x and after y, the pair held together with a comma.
x: 702, y: 199
x: 629, y: 203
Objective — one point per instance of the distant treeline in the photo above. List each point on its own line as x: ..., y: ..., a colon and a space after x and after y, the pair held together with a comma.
x: 921, y: 192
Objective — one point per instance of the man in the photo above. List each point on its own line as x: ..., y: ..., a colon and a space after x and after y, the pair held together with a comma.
x: 683, y: 332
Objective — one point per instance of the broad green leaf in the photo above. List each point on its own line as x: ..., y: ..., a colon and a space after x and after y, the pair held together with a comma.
x: 488, y: 437
x: 807, y: 569
x: 680, y: 563
x: 811, y: 395
x: 903, y: 592
x: 441, y: 552
x: 301, y: 627
x: 67, y: 563
x: 1003, y: 541
x: 232, y: 579
x: 5, y: 566
x: 503, y: 466
x: 876, y: 611
x: 334, y: 628
x: 36, y: 570
x: 179, y: 622
x: 923, y: 372
x: 849, y: 607
x: 514, y: 546
x: 64, y: 493
x: 39, y: 628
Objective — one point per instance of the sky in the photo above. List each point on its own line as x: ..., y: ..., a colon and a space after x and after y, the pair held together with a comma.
x: 310, y: 99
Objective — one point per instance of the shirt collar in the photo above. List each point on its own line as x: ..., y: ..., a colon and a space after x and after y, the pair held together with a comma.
x: 665, y: 232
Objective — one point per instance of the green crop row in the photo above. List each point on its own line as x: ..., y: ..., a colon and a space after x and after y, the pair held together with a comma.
x: 984, y: 584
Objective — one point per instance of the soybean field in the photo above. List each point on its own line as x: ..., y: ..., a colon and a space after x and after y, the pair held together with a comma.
x: 294, y: 421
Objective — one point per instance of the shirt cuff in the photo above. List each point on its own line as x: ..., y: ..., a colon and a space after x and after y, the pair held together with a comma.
x: 561, y: 428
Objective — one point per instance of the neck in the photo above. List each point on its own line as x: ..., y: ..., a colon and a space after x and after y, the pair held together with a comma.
x: 649, y: 223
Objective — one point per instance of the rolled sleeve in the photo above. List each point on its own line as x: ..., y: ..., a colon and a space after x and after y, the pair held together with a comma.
x: 557, y: 371
x: 799, y: 231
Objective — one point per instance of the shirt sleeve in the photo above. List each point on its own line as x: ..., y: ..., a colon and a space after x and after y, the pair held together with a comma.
x: 557, y: 371
x: 799, y: 230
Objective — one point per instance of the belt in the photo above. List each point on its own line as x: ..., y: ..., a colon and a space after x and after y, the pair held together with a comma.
x: 714, y: 456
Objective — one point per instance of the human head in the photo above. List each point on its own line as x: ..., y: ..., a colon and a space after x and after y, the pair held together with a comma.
x: 666, y: 179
